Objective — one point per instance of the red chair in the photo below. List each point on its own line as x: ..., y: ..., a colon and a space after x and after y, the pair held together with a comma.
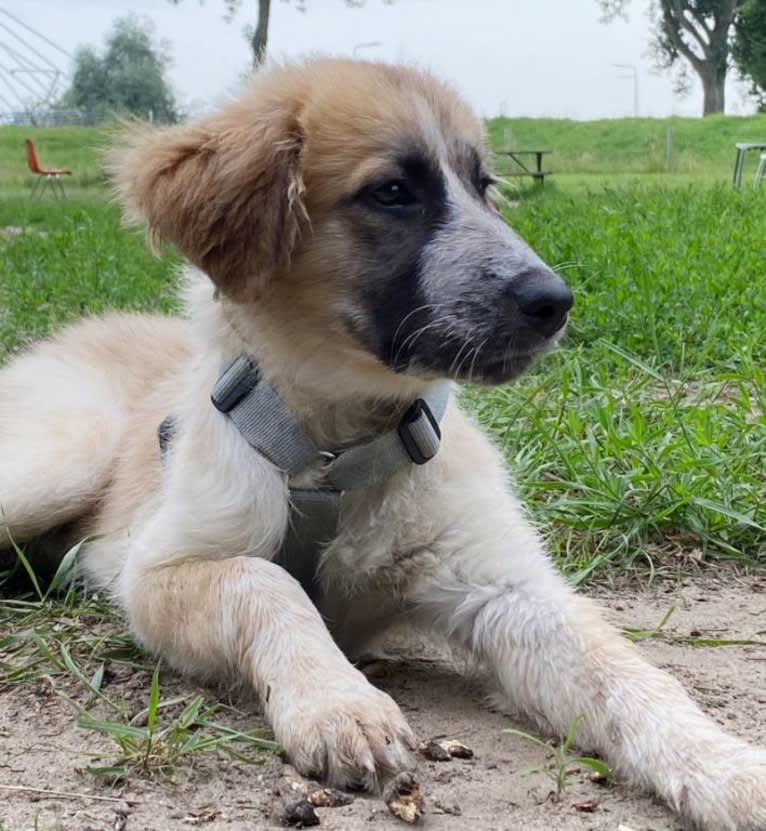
x: 46, y: 176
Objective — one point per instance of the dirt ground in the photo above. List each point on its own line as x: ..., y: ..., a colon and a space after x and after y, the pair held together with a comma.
x: 41, y: 746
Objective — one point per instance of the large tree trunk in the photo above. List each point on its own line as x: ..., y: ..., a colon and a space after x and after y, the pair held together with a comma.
x: 713, y: 85
x: 260, y: 38
x: 699, y: 32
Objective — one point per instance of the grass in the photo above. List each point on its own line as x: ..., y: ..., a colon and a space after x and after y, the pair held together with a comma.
x: 563, y: 761
x: 658, y: 633
x: 155, y: 748
x: 642, y: 444
x: 629, y: 146
x: 60, y: 635
x: 73, y: 259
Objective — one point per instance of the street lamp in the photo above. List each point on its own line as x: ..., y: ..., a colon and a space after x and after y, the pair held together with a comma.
x: 369, y: 45
x: 633, y: 70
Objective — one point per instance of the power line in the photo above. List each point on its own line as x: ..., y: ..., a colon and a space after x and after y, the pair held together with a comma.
x: 35, y: 33
x: 29, y: 71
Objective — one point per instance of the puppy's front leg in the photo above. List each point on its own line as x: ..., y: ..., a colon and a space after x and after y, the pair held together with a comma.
x: 555, y: 659
x: 247, y: 616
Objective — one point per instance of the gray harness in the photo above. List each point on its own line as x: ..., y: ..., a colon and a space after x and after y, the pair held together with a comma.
x: 265, y: 422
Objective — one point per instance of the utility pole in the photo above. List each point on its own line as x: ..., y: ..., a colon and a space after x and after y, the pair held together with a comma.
x: 632, y: 70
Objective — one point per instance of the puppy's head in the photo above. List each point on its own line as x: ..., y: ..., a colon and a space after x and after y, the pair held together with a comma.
x: 353, y: 197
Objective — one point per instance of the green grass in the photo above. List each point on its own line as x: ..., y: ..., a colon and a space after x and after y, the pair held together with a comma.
x: 563, y: 759
x: 642, y: 443
x: 73, y: 259
x: 629, y: 146
x: 153, y: 746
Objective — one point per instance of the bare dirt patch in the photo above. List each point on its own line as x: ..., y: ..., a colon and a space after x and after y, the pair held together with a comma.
x: 42, y: 748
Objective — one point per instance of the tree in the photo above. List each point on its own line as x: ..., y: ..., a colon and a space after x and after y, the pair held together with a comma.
x: 258, y: 35
x: 129, y: 77
x: 697, y: 31
x: 749, y: 48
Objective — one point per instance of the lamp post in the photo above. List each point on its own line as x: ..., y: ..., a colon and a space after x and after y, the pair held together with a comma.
x: 633, y: 73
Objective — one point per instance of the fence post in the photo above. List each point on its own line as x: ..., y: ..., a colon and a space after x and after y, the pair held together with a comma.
x: 669, y: 150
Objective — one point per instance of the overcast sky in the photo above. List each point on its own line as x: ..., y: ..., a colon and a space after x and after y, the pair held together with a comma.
x: 509, y: 57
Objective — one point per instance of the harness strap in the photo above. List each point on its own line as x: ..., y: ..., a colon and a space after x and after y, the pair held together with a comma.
x: 267, y: 425
x: 313, y: 523
x: 416, y: 440
x: 265, y: 422
x: 262, y: 417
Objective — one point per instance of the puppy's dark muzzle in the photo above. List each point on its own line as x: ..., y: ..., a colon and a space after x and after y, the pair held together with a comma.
x: 541, y: 299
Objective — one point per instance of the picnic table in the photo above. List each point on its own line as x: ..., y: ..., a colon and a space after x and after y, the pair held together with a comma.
x: 521, y: 169
x: 761, y: 171
x: 743, y: 147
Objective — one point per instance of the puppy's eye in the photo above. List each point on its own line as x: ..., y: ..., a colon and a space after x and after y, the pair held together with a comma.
x: 393, y: 194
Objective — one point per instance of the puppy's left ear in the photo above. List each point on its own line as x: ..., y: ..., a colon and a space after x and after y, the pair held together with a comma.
x: 226, y: 190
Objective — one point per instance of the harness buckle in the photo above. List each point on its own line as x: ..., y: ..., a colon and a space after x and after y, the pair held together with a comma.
x: 420, y: 433
x: 236, y: 382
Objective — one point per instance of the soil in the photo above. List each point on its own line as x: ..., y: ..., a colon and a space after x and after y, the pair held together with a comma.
x: 41, y: 746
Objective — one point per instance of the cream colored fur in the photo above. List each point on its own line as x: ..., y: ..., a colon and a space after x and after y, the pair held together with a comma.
x: 186, y: 548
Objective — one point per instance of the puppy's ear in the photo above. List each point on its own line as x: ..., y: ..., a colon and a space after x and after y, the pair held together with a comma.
x: 227, y: 190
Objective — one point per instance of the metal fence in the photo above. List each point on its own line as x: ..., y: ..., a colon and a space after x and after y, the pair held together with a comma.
x: 39, y: 117
x: 61, y: 117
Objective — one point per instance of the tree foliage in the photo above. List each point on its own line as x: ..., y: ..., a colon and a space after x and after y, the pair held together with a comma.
x: 128, y: 77
x: 695, y: 32
x: 749, y: 49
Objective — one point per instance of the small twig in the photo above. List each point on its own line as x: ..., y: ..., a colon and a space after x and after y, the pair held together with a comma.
x: 67, y: 794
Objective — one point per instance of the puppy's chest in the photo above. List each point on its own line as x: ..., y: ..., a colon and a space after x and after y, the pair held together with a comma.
x: 380, y: 530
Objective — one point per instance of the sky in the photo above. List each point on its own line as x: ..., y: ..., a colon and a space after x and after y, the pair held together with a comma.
x: 508, y: 57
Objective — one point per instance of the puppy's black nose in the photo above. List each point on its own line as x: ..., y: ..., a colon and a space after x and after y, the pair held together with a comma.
x: 543, y: 298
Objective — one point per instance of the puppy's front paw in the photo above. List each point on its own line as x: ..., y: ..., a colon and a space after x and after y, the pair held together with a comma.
x: 734, y: 797
x: 348, y: 734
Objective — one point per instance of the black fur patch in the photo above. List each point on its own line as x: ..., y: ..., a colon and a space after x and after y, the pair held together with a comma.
x: 393, y: 240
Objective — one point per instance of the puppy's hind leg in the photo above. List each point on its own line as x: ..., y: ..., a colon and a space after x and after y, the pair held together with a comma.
x: 59, y: 430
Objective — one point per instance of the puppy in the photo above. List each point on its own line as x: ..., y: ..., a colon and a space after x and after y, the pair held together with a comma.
x: 341, y: 237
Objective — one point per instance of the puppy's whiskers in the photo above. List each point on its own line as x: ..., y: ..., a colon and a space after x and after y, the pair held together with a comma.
x: 412, y: 338
x: 476, y: 354
x: 425, y: 307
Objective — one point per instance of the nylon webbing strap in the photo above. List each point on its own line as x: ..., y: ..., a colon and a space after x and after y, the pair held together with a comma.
x: 267, y: 425
x: 313, y: 523
x: 262, y: 417
x: 415, y: 441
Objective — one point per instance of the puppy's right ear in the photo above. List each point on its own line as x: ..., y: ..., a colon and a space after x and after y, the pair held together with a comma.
x: 226, y: 190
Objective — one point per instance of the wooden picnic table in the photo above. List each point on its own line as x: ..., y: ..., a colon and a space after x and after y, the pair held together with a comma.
x: 744, y: 147
x: 536, y: 173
